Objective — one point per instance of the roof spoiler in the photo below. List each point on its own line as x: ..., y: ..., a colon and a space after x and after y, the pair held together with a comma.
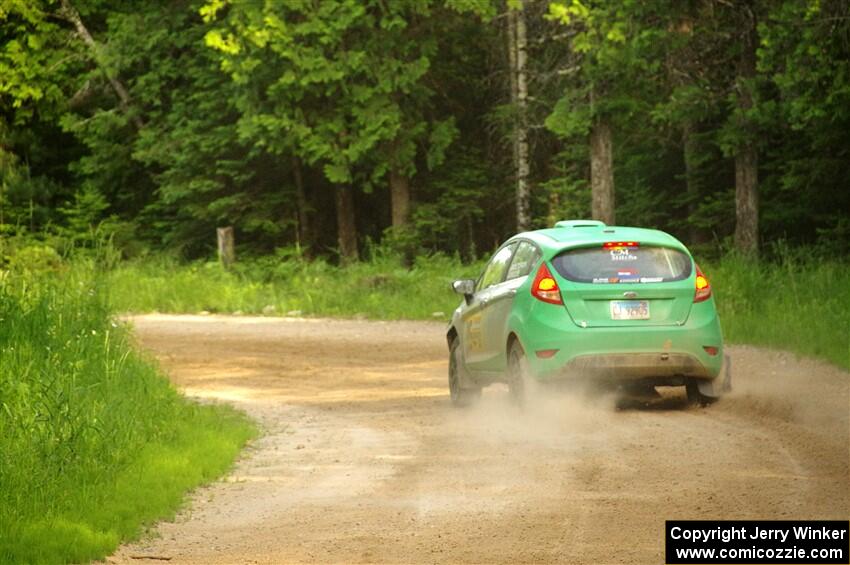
x: 580, y: 224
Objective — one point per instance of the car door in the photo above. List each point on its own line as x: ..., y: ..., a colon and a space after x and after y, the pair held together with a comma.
x: 500, y: 301
x: 476, y: 341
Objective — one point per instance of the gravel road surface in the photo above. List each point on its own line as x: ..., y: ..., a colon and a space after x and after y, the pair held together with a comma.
x: 363, y: 459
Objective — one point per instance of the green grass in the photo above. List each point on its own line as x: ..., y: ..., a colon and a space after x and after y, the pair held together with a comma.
x: 794, y: 304
x: 378, y: 289
x: 94, y: 441
x: 801, y: 305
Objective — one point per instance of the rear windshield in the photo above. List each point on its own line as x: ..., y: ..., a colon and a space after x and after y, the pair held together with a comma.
x: 623, y: 265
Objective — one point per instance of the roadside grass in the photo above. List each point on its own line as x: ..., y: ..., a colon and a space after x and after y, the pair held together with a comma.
x: 94, y: 442
x: 793, y: 303
x: 796, y: 304
x: 377, y: 289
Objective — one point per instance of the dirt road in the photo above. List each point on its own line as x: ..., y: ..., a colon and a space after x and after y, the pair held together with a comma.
x: 364, y: 460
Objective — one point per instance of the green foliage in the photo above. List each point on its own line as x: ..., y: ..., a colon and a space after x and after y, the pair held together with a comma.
x: 94, y: 442
x: 804, y: 51
x: 571, y: 117
x: 679, y: 64
x: 486, y: 9
x: 35, y: 61
x: 83, y: 215
x: 615, y: 46
x: 34, y: 259
x: 317, y: 81
x: 186, y: 168
x: 448, y: 223
x: 225, y: 97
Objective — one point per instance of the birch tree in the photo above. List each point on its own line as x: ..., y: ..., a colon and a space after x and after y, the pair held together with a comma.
x: 517, y: 47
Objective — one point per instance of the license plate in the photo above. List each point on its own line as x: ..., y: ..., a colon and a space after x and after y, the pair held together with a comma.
x: 629, y: 309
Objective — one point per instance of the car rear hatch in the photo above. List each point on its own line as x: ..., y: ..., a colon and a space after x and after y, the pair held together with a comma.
x: 626, y: 284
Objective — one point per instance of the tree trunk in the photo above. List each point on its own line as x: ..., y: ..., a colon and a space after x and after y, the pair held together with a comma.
x: 70, y: 13
x: 304, y: 232
x: 602, y: 171
x: 693, y: 182
x: 346, y: 228
x: 746, y: 156
x: 399, y: 198
x: 225, y: 241
x: 517, y: 57
x: 746, y: 200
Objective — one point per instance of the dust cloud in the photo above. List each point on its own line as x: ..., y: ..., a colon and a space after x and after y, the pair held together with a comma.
x: 548, y: 418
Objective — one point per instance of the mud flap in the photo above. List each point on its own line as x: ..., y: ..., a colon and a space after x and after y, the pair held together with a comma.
x: 719, y: 385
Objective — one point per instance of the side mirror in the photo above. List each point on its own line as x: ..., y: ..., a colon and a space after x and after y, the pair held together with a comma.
x: 466, y: 287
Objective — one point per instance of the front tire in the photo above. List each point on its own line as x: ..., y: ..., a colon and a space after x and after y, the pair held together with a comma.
x: 460, y: 395
x: 518, y: 374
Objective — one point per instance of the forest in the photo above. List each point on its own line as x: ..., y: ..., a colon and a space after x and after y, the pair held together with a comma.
x: 329, y: 127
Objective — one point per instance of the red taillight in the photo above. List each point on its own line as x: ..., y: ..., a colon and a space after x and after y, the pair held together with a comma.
x: 703, y: 287
x: 710, y: 349
x: 544, y: 286
x: 545, y: 353
x: 614, y: 244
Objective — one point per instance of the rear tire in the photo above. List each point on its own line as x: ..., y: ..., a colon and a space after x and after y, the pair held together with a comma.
x: 518, y: 374
x: 460, y: 396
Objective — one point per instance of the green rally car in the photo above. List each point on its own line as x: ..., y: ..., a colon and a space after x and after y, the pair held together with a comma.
x: 617, y: 306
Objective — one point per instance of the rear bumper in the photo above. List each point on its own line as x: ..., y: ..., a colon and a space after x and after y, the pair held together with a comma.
x: 663, y: 354
x: 634, y: 366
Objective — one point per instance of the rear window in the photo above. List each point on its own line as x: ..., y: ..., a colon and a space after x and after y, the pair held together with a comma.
x: 623, y: 265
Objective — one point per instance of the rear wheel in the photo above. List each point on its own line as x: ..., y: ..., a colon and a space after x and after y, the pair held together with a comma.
x: 460, y: 395
x: 518, y: 373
